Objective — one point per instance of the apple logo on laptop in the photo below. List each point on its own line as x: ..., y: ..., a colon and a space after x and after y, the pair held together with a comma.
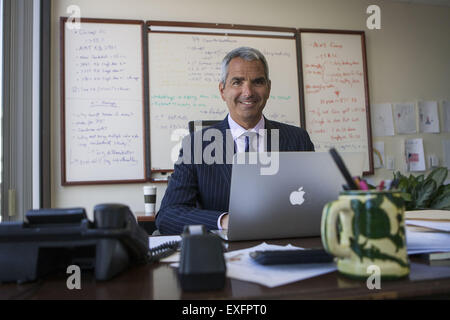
x: 296, y: 197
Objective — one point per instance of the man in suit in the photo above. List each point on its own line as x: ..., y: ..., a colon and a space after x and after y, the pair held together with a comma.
x: 199, y: 191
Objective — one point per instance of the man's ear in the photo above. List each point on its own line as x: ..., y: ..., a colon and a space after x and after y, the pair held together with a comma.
x: 221, y: 88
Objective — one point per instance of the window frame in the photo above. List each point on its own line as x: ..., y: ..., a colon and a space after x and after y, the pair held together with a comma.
x: 26, y: 99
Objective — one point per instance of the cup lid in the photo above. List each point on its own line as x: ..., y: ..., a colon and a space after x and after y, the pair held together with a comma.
x: 149, y: 188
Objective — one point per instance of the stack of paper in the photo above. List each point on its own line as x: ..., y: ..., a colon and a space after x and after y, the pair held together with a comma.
x: 428, y: 231
x: 242, y: 267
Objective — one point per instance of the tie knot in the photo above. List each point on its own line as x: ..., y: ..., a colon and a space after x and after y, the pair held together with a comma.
x: 250, y: 134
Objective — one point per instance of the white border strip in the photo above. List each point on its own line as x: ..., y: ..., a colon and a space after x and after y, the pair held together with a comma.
x: 221, y: 31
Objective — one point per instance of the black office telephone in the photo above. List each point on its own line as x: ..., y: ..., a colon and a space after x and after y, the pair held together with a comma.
x: 50, y: 240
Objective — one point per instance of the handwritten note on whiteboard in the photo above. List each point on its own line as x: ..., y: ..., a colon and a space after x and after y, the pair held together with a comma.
x: 103, y: 103
x: 184, y: 76
x: 334, y: 92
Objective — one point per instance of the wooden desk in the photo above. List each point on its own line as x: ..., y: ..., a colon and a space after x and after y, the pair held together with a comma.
x: 159, y: 281
x: 146, y: 222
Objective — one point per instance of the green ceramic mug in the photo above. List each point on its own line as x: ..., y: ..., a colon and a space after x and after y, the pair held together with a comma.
x: 365, y: 228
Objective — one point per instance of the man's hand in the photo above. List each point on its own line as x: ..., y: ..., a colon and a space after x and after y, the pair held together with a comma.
x: 224, y: 221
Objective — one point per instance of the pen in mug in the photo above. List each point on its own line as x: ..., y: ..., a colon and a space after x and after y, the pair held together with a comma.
x: 341, y: 165
x: 357, y: 182
x: 363, y: 185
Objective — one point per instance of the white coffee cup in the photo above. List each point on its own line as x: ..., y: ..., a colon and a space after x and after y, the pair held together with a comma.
x: 149, y: 200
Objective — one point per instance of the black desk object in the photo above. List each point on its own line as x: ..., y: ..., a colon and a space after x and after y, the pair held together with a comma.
x: 50, y: 240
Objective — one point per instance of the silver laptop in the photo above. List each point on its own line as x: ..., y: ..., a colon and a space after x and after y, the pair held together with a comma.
x: 287, y: 202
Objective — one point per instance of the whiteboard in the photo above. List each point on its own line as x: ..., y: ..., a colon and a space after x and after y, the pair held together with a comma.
x: 335, y: 88
x: 184, y: 75
x: 102, y: 103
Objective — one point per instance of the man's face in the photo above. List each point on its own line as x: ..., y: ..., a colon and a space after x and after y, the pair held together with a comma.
x: 246, y: 91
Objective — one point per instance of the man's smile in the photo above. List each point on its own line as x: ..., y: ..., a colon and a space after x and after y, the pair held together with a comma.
x: 248, y: 103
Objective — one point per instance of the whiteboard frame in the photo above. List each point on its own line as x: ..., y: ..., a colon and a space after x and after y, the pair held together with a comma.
x: 361, y: 35
x: 236, y: 30
x: 64, y: 180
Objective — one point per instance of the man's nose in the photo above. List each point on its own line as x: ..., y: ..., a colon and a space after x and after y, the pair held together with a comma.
x: 247, y: 89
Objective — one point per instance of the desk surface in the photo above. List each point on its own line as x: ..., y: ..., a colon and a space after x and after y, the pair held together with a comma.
x: 159, y: 281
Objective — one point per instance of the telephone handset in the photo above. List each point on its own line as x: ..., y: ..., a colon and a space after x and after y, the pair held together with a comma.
x: 52, y: 239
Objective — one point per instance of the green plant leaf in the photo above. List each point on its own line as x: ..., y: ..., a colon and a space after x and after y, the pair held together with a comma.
x: 438, y: 175
x: 441, y: 202
x: 424, y: 193
x: 421, y: 193
x: 443, y: 189
x: 403, y: 185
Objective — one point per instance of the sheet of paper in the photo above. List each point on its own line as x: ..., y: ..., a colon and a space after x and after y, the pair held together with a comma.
x: 382, y: 120
x: 428, y: 117
x: 446, y: 111
x: 241, y: 266
x: 427, y: 241
x: 436, y: 225
x: 414, y: 154
x: 405, y: 118
x: 378, y: 154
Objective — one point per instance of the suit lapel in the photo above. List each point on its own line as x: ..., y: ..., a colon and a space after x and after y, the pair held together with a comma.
x: 228, y: 145
x: 268, y: 126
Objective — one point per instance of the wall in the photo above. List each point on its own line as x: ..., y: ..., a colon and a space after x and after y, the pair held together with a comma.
x: 407, y: 61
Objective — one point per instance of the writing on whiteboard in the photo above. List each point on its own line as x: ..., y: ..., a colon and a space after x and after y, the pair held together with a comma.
x: 334, y: 93
x: 184, y: 74
x: 104, y: 103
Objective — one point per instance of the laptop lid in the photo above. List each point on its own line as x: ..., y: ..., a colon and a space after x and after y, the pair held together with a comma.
x: 283, y: 194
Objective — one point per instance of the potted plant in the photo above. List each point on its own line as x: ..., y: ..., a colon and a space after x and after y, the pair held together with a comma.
x: 425, y: 192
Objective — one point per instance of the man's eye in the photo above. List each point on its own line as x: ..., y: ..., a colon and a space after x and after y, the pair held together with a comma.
x: 236, y: 83
x: 260, y: 81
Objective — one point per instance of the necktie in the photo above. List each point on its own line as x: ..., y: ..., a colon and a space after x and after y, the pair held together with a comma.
x: 251, y: 142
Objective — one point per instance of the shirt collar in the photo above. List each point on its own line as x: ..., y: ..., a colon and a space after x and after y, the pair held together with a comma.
x: 237, y: 130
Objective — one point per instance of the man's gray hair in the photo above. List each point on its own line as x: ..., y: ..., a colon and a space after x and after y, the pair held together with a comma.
x: 246, y: 53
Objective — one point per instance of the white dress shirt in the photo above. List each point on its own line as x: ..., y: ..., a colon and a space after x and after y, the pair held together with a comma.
x: 239, y: 134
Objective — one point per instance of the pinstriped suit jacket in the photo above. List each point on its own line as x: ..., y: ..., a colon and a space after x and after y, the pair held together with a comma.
x: 200, y: 193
